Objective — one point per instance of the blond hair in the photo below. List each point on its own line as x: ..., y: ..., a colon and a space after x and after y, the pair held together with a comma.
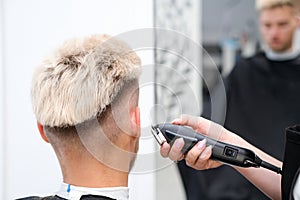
x: 80, y: 79
x: 268, y: 4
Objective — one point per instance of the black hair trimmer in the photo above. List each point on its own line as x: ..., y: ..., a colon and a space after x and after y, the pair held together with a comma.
x: 226, y: 153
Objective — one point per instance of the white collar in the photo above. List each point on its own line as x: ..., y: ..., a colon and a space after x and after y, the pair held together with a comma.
x: 71, y: 192
x: 271, y: 55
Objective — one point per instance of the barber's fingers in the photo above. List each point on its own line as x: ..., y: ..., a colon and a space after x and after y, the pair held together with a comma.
x: 197, y: 123
x: 202, y: 126
x: 165, y: 149
x: 193, y: 155
x: 202, y: 161
x: 175, y: 153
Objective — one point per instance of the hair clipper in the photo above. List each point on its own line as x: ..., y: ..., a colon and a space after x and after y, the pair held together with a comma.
x: 226, y: 153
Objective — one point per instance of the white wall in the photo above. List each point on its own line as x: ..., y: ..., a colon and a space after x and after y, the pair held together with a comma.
x: 2, y: 144
x: 30, y: 30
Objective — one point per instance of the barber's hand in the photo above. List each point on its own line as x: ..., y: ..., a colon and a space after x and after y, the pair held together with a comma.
x: 198, y: 156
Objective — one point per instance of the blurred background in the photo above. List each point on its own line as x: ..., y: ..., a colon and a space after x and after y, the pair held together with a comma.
x: 171, y: 34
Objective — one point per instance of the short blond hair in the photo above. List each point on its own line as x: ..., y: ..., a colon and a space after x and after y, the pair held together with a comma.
x: 80, y: 79
x: 268, y: 4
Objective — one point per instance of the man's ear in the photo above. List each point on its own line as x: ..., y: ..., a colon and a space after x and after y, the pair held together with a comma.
x: 42, y: 132
x: 135, y: 121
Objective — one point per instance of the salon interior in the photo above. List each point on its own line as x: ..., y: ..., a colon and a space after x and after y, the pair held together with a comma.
x: 186, y: 48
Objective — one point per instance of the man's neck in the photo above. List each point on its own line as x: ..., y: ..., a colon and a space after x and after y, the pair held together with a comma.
x: 93, y: 174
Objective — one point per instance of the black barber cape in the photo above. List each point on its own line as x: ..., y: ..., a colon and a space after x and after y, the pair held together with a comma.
x: 291, y: 163
x: 263, y: 98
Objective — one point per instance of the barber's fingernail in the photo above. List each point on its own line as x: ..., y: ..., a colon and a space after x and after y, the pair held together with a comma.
x: 164, y: 146
x: 201, y: 144
x: 206, y: 152
x: 175, y: 121
x: 179, y: 143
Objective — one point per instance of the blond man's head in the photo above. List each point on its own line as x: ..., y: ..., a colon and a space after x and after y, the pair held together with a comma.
x: 278, y: 23
x: 270, y: 4
x: 81, y: 79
